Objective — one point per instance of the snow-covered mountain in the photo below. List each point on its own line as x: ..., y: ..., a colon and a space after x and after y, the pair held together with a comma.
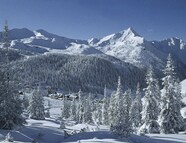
x: 39, y: 41
x: 130, y: 47
x: 126, y: 45
x: 175, y: 46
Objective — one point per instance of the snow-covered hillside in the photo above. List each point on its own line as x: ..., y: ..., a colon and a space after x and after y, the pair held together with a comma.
x: 75, y: 49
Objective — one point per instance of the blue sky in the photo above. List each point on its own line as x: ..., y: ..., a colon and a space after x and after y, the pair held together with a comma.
x: 83, y: 19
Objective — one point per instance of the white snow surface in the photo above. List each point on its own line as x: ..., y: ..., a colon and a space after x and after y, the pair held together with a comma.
x: 75, y: 49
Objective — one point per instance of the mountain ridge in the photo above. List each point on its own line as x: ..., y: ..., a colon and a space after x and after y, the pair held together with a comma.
x: 126, y: 45
x: 126, y: 54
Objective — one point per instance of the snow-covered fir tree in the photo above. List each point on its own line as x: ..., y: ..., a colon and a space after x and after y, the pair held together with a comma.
x: 10, y: 107
x: 96, y: 112
x: 178, y: 93
x: 136, y: 109
x: 36, y: 105
x: 114, y: 101
x: 73, y: 109
x: 80, y: 110
x: 10, y: 103
x: 118, y: 96
x: 121, y: 125
x: 170, y: 116
x: 111, y: 109
x: 99, y: 111
x: 127, y: 106
x: 105, y: 106
x: 65, y: 110
x: 179, y: 103
x: 87, y: 109
x: 150, y: 109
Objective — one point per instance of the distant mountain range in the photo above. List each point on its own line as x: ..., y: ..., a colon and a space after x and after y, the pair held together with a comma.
x: 123, y: 50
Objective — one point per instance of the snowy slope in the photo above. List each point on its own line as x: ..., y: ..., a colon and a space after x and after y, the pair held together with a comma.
x: 81, y: 49
x: 39, y: 41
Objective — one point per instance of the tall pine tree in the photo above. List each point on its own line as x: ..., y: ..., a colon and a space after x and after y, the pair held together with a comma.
x: 73, y: 109
x: 80, y: 110
x: 170, y: 116
x: 150, y: 110
x: 121, y: 125
x: 87, y: 109
x: 105, y: 106
x: 136, y: 109
x: 10, y: 107
x: 114, y: 102
x: 65, y: 110
x: 36, y: 105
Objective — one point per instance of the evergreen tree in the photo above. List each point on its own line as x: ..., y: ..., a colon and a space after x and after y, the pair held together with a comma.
x: 96, y: 112
x: 111, y: 108
x: 178, y: 100
x: 104, y: 116
x: 136, y: 109
x: 65, y: 110
x: 150, y: 110
x: 121, y: 125
x: 170, y: 116
x: 73, y: 109
x: 114, y: 101
x: 87, y: 110
x: 127, y: 106
x: 99, y: 111
x: 10, y: 103
x: 80, y: 109
x: 36, y: 105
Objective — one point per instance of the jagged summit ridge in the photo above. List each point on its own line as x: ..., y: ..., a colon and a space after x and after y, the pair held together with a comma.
x: 130, y: 31
x: 128, y: 36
